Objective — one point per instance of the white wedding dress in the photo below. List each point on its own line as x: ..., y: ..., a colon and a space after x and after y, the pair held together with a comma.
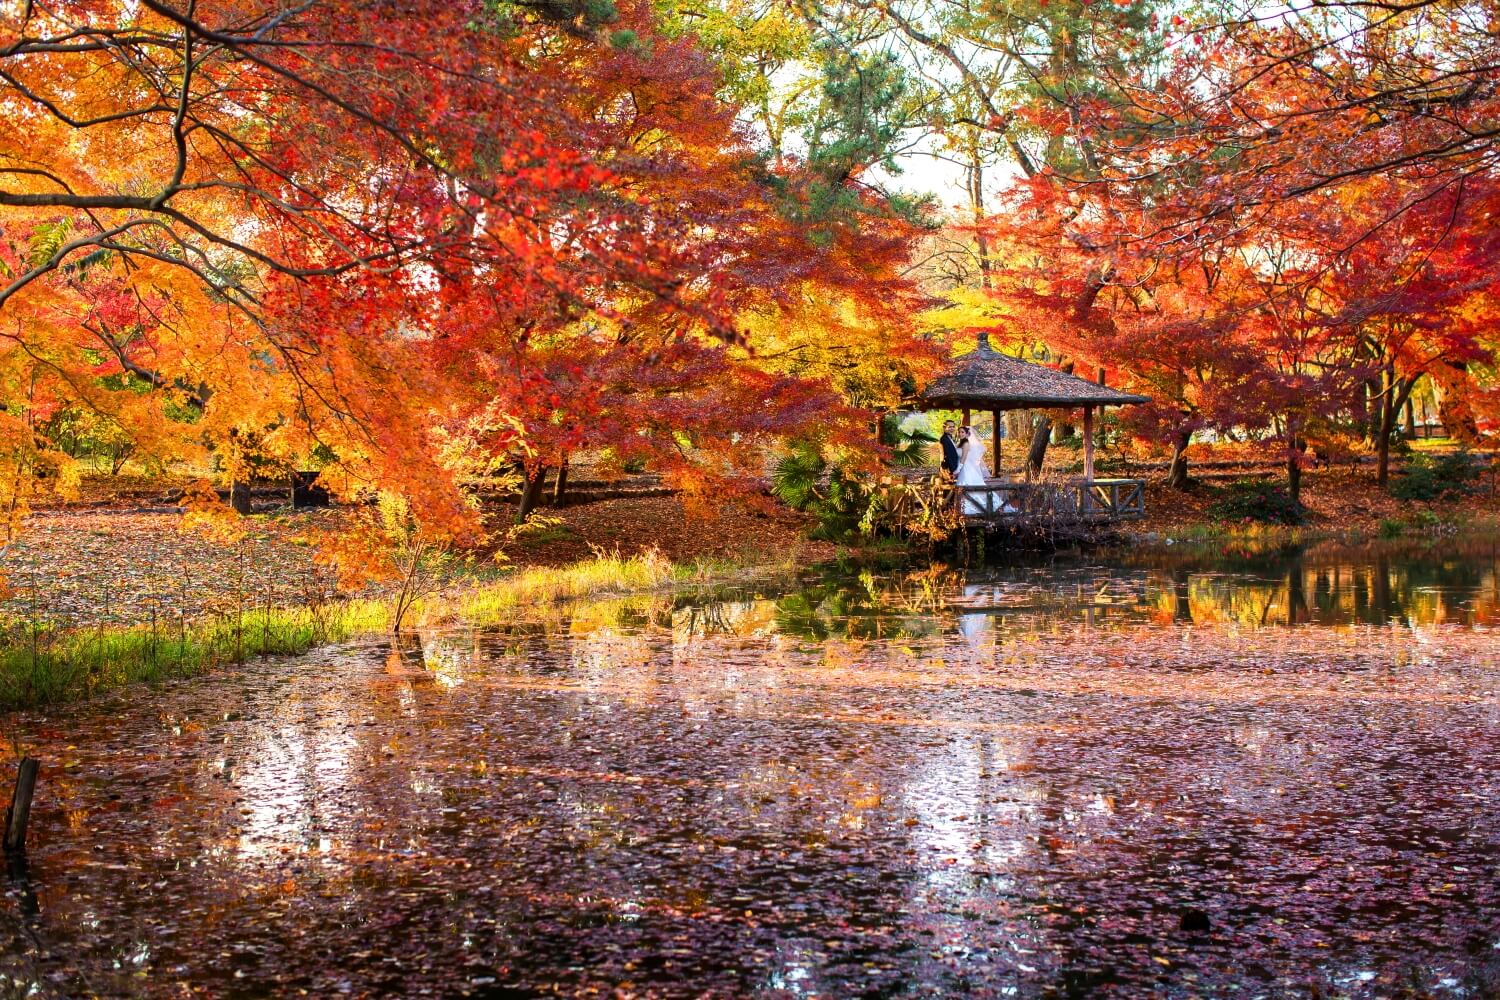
x: 971, y: 473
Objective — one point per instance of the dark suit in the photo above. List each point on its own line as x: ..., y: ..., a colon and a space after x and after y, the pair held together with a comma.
x: 950, y: 454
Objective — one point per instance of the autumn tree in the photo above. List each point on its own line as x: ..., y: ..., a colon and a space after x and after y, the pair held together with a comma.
x: 538, y: 228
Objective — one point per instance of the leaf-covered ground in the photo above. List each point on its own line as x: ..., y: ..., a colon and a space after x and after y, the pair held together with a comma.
x: 102, y: 566
x: 732, y: 532
x: 1338, y: 499
x: 940, y: 791
x: 83, y: 568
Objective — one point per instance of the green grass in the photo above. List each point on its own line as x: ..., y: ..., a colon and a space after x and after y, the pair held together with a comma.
x: 1218, y: 531
x: 42, y: 667
x: 548, y: 585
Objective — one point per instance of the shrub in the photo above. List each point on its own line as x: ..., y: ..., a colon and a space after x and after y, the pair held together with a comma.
x: 1254, y: 500
x: 1391, y: 527
x: 1425, y: 519
x: 1435, y: 477
x: 803, y: 479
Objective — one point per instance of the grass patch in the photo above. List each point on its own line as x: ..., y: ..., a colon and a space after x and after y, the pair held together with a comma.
x: 1251, y: 531
x: 548, y: 585
x: 549, y: 534
x: 42, y: 666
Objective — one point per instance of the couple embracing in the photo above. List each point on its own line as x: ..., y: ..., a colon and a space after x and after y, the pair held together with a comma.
x: 963, y: 457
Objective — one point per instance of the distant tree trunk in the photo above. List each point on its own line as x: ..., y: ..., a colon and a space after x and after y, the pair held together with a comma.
x: 1386, y: 423
x: 976, y: 206
x: 1065, y: 430
x: 1294, y: 446
x: 531, y: 494
x: 1037, y: 454
x: 1396, y: 396
x: 239, y: 496
x: 1411, y: 419
x: 1177, y: 474
x: 560, y: 488
x: 1454, y: 411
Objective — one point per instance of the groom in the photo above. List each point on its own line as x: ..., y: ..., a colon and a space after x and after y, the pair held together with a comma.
x: 950, y: 448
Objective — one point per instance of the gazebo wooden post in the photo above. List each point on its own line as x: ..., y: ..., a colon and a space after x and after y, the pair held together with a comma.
x: 1088, y: 444
x: 996, y: 432
x: 968, y: 422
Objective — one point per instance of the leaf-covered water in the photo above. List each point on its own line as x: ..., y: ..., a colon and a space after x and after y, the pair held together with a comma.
x: 1274, y: 777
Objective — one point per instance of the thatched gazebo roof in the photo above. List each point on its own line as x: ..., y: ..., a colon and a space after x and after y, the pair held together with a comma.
x: 989, y: 380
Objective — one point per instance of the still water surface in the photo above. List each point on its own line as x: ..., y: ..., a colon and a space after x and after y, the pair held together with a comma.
x: 1025, y: 781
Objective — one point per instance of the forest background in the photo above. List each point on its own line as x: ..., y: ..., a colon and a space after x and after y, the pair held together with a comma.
x: 426, y: 248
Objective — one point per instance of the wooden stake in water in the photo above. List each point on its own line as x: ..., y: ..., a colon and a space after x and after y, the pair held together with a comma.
x: 19, y: 813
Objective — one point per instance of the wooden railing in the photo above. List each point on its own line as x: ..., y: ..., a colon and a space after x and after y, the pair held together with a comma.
x: 1425, y: 431
x: 1079, y: 500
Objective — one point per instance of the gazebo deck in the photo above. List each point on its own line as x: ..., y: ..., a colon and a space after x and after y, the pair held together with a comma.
x: 1073, y: 500
x: 1094, y: 501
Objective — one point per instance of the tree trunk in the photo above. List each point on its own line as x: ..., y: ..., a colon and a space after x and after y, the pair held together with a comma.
x: 1411, y: 420
x: 1293, y: 465
x: 1037, y: 454
x: 1177, y: 474
x: 531, y: 494
x: 1387, y: 423
x: 1396, y: 397
x: 976, y: 206
x: 239, y: 496
x: 559, y: 490
x: 1293, y: 474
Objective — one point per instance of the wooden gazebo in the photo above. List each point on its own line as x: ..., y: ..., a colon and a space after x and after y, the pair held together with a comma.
x: 986, y: 379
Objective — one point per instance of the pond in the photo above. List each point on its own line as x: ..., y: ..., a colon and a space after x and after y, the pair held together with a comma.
x: 1176, y: 774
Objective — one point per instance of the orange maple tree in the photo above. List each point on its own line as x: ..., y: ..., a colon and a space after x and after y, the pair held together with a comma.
x: 241, y: 232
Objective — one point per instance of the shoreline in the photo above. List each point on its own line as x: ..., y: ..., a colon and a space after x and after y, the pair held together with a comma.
x: 108, y: 635
x: 67, y: 666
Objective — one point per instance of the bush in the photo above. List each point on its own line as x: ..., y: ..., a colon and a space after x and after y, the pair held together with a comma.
x: 1391, y: 527
x: 1435, y: 477
x: 804, y: 480
x: 1254, y: 500
x: 849, y: 504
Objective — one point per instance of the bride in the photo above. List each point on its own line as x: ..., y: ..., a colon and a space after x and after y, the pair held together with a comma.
x: 971, y: 473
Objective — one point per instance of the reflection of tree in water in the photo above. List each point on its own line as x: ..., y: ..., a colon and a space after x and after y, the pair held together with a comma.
x: 603, y: 799
x: 1182, y: 608
x: 1330, y: 585
x: 1274, y: 586
x: 716, y: 618
x: 859, y: 608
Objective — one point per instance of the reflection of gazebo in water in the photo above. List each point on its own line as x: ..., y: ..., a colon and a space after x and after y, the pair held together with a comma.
x: 989, y: 380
